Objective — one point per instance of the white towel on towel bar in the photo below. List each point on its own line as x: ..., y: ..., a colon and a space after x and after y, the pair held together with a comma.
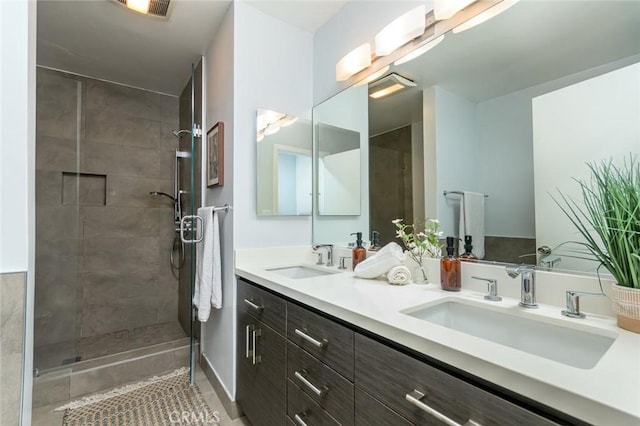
x: 208, y: 286
x: 472, y: 221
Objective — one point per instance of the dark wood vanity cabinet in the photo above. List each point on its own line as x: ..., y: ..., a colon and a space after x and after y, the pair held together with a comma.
x: 315, y: 370
x: 261, y: 356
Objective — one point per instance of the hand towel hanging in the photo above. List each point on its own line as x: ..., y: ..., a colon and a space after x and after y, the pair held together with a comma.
x: 472, y: 220
x: 208, y: 283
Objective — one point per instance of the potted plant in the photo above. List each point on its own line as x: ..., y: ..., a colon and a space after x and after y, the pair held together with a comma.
x: 609, y: 220
x: 420, y: 243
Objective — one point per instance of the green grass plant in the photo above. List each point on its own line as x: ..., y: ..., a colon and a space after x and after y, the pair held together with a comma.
x: 609, y: 217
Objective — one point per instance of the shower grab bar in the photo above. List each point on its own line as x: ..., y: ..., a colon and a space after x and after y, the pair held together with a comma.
x: 445, y: 193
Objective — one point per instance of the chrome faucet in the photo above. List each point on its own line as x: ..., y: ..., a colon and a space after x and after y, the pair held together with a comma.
x: 528, y: 283
x: 329, y: 248
x: 573, y: 303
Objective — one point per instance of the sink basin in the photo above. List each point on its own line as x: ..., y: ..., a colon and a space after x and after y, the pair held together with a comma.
x: 298, y: 272
x: 572, y: 347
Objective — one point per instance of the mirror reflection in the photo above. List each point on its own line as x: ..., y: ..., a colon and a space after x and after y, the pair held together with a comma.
x: 480, y: 119
x: 338, y: 165
x: 283, y: 164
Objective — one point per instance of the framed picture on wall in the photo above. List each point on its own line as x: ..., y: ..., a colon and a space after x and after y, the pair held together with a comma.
x: 215, y: 155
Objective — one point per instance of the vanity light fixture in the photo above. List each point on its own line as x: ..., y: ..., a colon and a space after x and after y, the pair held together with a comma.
x: 353, y: 62
x: 271, y: 129
x: 419, y: 51
x: 445, y: 9
x: 288, y: 120
x: 388, y: 85
x: 485, y: 16
x: 401, y: 31
x: 376, y: 75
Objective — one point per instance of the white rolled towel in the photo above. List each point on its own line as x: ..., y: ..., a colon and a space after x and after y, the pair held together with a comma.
x: 399, y: 275
x: 380, y: 263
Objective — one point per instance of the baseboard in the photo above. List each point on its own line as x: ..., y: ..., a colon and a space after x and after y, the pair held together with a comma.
x: 230, y: 406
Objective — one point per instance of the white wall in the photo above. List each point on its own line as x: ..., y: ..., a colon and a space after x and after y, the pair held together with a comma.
x: 602, y: 116
x: 218, y: 333
x: 505, y: 164
x: 273, y: 69
x: 456, y: 154
x: 247, y: 68
x: 17, y: 161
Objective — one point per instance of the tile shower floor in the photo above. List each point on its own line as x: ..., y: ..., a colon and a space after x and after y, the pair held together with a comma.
x: 59, y: 354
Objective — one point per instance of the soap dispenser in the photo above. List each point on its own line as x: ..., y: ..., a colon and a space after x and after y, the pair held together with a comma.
x: 359, y: 253
x: 468, y: 250
x: 450, y: 268
x: 375, y: 241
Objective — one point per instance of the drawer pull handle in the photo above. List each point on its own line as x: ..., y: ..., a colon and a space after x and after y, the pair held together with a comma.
x: 256, y: 358
x: 299, y: 419
x: 314, y: 342
x: 247, y: 346
x: 318, y: 391
x: 415, y: 397
x: 253, y: 305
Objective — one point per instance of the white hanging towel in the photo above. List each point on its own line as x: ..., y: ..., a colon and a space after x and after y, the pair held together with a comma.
x: 208, y: 285
x: 472, y: 220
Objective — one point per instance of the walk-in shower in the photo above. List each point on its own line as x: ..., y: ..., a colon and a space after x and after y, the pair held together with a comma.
x: 112, y: 183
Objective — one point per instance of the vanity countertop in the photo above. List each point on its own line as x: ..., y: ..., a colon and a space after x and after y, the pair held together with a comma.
x: 607, y: 394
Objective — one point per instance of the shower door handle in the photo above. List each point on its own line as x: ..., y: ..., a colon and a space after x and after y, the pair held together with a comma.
x: 193, y: 224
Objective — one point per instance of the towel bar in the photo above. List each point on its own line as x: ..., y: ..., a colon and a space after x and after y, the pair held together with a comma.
x: 226, y: 208
x: 458, y: 193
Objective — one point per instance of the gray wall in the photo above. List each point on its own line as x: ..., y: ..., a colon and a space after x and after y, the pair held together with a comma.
x: 12, y: 321
x: 102, y: 242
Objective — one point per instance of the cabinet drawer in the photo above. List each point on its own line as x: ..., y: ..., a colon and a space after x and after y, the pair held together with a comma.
x: 306, y: 410
x: 330, y: 390
x: 328, y: 341
x: 262, y: 305
x: 390, y: 376
x: 370, y: 411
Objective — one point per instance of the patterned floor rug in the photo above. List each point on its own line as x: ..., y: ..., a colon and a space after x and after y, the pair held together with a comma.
x: 167, y: 400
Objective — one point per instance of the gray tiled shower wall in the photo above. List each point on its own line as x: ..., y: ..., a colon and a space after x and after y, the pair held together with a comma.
x: 102, y: 260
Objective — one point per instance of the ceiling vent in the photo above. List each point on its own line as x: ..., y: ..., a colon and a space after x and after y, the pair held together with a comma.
x: 155, y: 8
x: 388, y: 85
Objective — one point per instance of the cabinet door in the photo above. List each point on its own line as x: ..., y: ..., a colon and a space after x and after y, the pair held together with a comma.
x: 261, y: 372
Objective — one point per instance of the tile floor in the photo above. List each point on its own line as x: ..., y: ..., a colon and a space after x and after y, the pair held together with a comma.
x: 55, y: 355
x: 45, y: 416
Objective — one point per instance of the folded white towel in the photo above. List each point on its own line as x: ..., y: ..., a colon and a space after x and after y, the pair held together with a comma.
x: 472, y: 220
x: 208, y: 284
x: 379, y: 264
x: 399, y: 275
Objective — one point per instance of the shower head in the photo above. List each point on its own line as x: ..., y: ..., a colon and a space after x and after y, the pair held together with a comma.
x: 178, y: 133
x: 162, y: 194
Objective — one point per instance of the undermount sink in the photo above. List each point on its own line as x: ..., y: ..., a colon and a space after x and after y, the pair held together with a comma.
x: 572, y: 347
x: 298, y: 272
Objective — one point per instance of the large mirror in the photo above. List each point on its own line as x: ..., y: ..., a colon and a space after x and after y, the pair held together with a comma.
x: 284, y: 170
x: 492, y: 112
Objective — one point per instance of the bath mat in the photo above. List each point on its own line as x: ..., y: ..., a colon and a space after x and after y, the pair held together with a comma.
x: 167, y: 400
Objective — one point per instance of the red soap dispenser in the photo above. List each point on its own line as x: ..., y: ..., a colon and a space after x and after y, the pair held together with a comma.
x: 359, y: 253
x: 450, y: 268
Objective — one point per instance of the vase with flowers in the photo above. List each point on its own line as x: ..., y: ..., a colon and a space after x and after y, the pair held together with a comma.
x: 419, y: 241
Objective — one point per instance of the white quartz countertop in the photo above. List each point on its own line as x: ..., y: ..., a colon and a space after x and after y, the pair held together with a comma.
x: 607, y: 394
